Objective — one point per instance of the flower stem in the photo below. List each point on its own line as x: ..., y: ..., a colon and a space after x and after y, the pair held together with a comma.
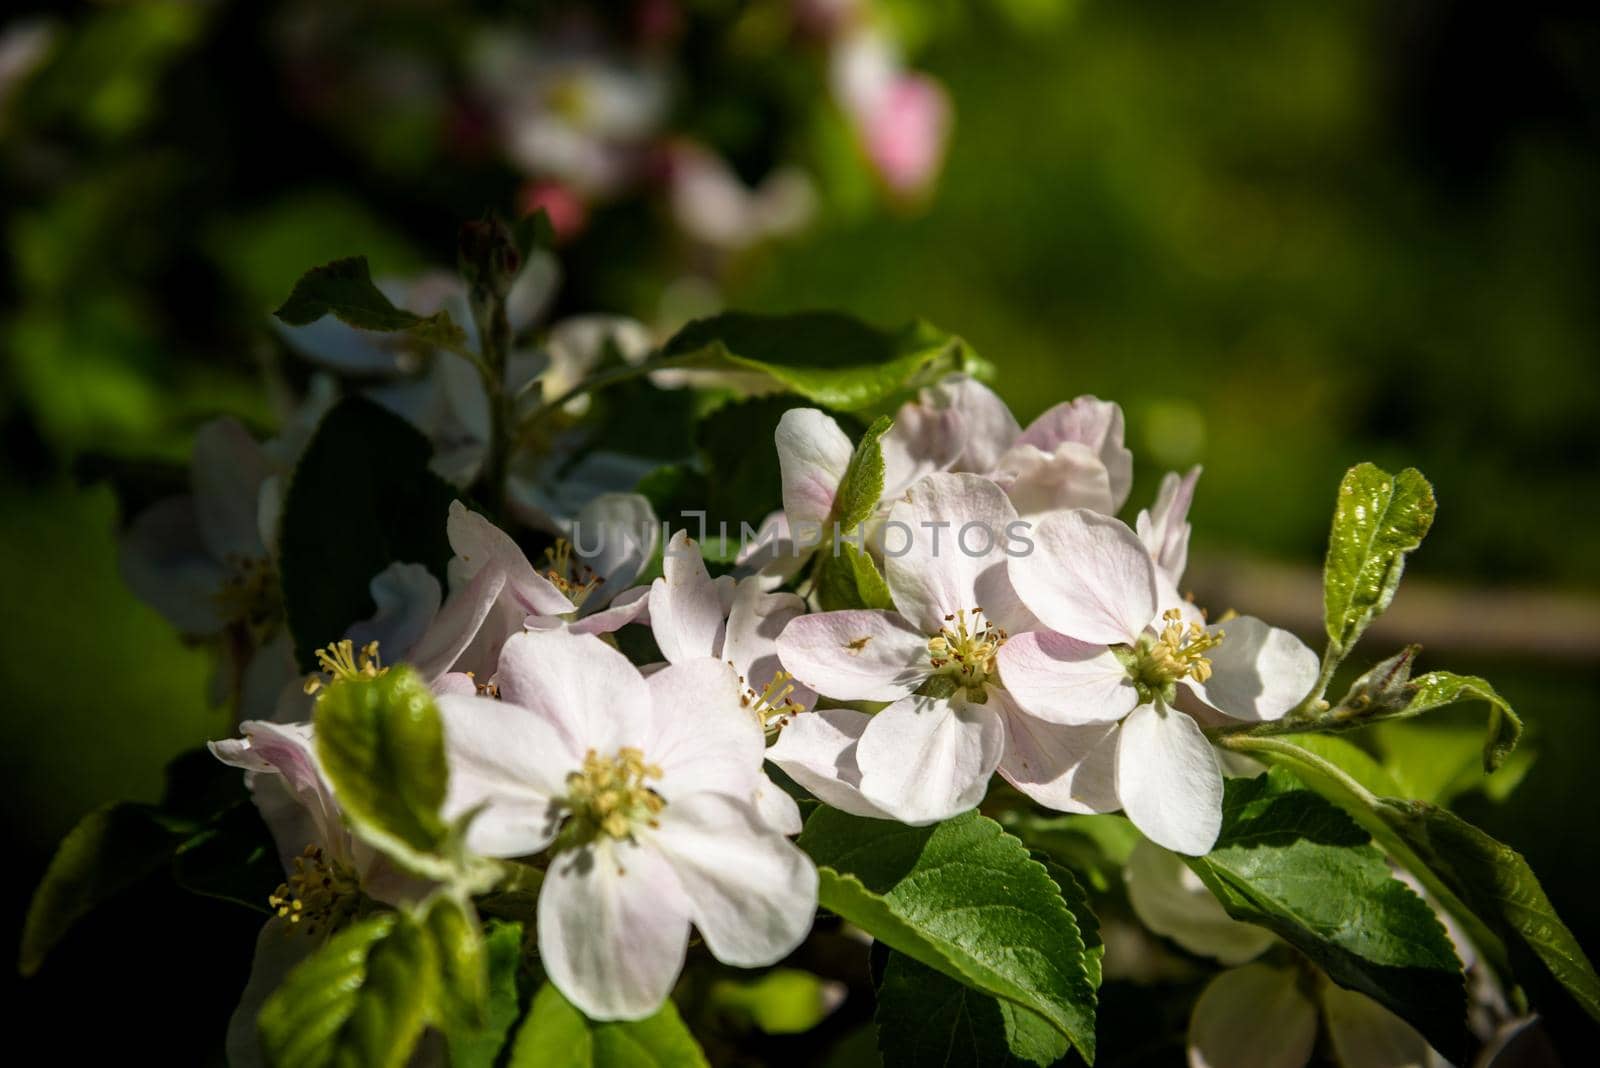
x: 656, y: 362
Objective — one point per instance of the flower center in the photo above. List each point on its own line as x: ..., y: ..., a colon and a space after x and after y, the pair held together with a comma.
x: 1177, y: 653
x: 966, y: 647
x: 611, y: 795
x: 250, y: 593
x: 341, y: 661
x: 575, y: 579
x: 320, y: 891
x: 771, y: 705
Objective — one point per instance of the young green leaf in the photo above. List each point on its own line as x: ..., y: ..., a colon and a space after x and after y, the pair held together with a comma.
x: 480, y: 1047
x: 924, y: 1017
x: 1291, y: 862
x: 344, y: 289
x: 830, y: 359
x: 381, y: 743
x: 557, y: 1035
x: 361, y: 499
x: 963, y: 897
x: 862, y: 485
x: 848, y: 578
x: 1378, y: 519
x: 363, y: 999
x: 463, y: 967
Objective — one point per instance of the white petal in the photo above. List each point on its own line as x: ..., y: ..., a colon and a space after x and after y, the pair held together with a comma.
x: 1070, y: 477
x: 923, y: 439
x: 857, y: 655
x: 1168, y: 780
x: 514, y: 762
x: 990, y: 428
x: 1069, y: 769
x: 812, y: 455
x: 1094, y: 423
x: 686, y: 614
x: 286, y: 780
x: 776, y: 808
x: 703, y: 738
x: 1367, y: 1034
x: 1062, y: 680
x: 773, y: 555
x: 1171, y: 900
x: 1259, y: 672
x: 629, y: 606
x: 616, y: 534
x: 458, y: 623
x: 280, y: 946
x: 226, y: 472
x: 1252, y: 1017
x: 751, y: 645
x: 944, y: 549
x: 925, y: 759
x: 1164, y: 528
x: 751, y: 892
x: 613, y: 928
x: 1087, y: 576
x: 408, y: 599
x: 581, y: 685
x: 481, y: 545
x: 818, y: 751
x: 164, y: 561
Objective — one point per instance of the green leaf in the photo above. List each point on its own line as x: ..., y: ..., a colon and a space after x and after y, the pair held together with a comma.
x: 480, y: 1047
x: 847, y: 578
x: 344, y: 290
x: 1077, y: 899
x: 1350, y: 758
x: 862, y: 486
x: 557, y: 1035
x: 108, y: 851
x: 233, y: 859
x: 1291, y: 862
x: 361, y: 499
x: 1378, y: 519
x: 1496, y: 883
x: 363, y: 999
x: 381, y: 743
x: 830, y: 359
x: 743, y: 481
x: 463, y: 967
x: 1439, y: 762
x: 924, y: 1017
x: 783, y: 1001
x: 965, y: 898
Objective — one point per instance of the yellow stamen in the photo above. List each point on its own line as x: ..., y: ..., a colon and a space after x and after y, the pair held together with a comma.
x: 966, y: 648
x: 771, y: 706
x: 575, y: 579
x: 320, y: 891
x: 340, y: 661
x: 610, y: 795
x: 1179, y: 651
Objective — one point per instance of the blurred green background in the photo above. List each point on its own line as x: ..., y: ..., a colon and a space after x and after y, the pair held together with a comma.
x: 1285, y: 237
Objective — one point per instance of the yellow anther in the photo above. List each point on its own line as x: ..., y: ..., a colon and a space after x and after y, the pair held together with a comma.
x: 341, y: 661
x: 966, y: 647
x: 320, y: 892
x: 772, y: 704
x: 575, y: 579
x: 611, y: 795
x: 1179, y: 650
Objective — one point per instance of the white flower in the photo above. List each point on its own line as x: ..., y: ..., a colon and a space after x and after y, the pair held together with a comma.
x: 1123, y: 658
x: 642, y: 788
x: 929, y: 754
x: 694, y: 617
x: 713, y: 205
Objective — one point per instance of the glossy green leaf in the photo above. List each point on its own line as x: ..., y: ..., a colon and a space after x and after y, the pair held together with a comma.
x: 382, y: 745
x: 363, y: 999
x: 830, y: 359
x: 1378, y: 519
x: 556, y: 1035
x: 862, y: 486
x: 926, y: 1018
x: 847, y: 578
x: 344, y: 289
x: 1291, y: 862
x: 463, y: 967
x: 480, y: 1047
x: 361, y: 499
x: 1439, y: 762
x: 965, y: 898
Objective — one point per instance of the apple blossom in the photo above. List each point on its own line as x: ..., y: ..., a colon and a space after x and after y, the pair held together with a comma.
x: 641, y: 789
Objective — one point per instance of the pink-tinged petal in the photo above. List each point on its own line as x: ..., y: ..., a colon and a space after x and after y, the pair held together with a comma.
x: 226, y: 474
x: 686, y: 613
x: 615, y: 534
x: 776, y: 808
x: 1168, y: 780
x: 613, y: 928
x: 583, y: 687
x: 1069, y: 769
x: 926, y: 759
x: 1365, y: 1033
x: 857, y: 655
x: 1070, y: 477
x: 751, y: 646
x: 924, y: 439
x: 703, y: 738
x: 1164, y: 528
x: 461, y: 617
x: 480, y: 545
x: 818, y: 751
x: 1259, y: 672
x: 1171, y: 900
x: 1242, y: 1005
x: 455, y: 682
x: 989, y: 427
x: 288, y: 785
x: 1094, y: 423
x: 906, y: 132
x: 511, y: 762
x: 408, y: 598
x: 943, y: 537
x: 751, y: 892
x: 812, y: 455
x: 164, y: 561
x: 1062, y: 680
x: 630, y: 606
x: 1087, y: 576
